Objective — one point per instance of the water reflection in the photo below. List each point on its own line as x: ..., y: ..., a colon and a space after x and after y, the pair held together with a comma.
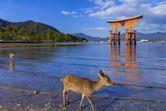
x: 115, y: 55
x: 124, y: 63
x: 11, y: 61
x: 130, y: 56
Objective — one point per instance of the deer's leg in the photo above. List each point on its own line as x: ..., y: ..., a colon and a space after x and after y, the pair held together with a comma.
x: 64, y: 97
x: 82, y: 99
x: 67, y: 98
x: 90, y: 101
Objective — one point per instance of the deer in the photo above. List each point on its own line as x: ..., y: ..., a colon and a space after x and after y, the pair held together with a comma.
x: 11, y: 55
x: 11, y: 64
x: 83, y: 86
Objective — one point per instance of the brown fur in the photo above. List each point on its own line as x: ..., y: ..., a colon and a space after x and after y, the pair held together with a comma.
x: 83, y: 86
x: 11, y: 57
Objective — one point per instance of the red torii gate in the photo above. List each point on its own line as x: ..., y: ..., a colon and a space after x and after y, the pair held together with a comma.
x: 126, y: 23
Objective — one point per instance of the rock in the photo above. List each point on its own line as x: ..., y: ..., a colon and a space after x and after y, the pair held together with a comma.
x: 36, y: 92
x: 18, y: 105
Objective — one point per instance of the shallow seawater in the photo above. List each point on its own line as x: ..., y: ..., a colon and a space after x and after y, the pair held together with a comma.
x: 142, y: 69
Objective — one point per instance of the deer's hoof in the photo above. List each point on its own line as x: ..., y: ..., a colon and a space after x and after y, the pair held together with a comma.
x: 68, y: 103
x: 80, y: 107
x: 64, y: 109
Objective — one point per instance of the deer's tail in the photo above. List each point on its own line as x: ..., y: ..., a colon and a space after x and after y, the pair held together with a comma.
x: 61, y: 79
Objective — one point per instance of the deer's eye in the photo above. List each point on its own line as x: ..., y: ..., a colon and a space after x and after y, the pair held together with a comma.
x: 108, y: 79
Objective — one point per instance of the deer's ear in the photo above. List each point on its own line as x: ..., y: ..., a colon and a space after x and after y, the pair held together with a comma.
x: 100, y: 71
x: 101, y: 74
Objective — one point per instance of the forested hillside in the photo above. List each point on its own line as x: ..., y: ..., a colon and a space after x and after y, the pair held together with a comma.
x: 34, y: 32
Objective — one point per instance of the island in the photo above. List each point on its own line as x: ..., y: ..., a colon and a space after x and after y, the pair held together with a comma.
x: 33, y: 32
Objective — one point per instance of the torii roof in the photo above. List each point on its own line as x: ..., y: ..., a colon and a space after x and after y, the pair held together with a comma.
x: 125, y: 20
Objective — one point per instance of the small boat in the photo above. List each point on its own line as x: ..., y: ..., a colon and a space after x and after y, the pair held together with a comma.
x: 143, y: 40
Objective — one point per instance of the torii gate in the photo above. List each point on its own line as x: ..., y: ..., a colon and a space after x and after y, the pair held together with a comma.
x: 126, y: 23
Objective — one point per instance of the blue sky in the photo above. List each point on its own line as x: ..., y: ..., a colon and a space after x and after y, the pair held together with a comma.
x: 86, y: 16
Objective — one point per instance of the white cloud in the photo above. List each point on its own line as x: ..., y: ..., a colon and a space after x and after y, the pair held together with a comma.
x: 148, y: 27
x: 64, y: 12
x: 73, y: 14
x: 153, y: 11
x: 109, y: 8
x: 159, y: 10
x: 104, y: 3
x: 126, y: 8
x: 94, y: 29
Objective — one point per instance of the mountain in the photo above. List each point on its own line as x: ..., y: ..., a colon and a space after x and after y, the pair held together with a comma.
x: 31, y: 31
x: 90, y: 38
x: 33, y: 26
x: 157, y: 36
x: 4, y: 23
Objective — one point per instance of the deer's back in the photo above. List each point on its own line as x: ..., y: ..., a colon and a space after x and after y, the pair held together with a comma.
x: 78, y: 84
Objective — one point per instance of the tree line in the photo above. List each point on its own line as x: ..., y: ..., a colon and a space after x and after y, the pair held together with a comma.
x: 12, y: 32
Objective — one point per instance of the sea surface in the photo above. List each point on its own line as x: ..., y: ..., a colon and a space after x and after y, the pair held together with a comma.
x: 139, y: 71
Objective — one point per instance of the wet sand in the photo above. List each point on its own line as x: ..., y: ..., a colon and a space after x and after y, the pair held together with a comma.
x: 117, y: 98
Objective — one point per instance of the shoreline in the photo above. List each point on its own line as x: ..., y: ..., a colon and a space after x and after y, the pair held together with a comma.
x: 27, y: 44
